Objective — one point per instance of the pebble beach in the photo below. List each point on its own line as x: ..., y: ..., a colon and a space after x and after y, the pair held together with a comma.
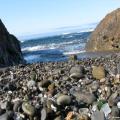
x: 85, y: 89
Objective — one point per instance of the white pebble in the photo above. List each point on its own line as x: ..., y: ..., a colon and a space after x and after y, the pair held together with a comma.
x: 53, y: 108
x: 99, y: 90
x: 118, y: 104
x: 106, y: 89
x: 9, y: 92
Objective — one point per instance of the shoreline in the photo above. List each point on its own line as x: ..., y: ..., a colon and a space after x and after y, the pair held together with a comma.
x: 80, y: 56
x: 97, y: 54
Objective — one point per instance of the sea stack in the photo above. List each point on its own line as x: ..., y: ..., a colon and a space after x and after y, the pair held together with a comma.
x: 106, y: 36
x: 10, y: 51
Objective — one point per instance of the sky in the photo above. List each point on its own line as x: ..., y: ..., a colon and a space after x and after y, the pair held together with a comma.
x: 24, y: 17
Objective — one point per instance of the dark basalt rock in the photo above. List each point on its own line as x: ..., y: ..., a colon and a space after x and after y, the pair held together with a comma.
x: 106, y: 36
x: 10, y: 51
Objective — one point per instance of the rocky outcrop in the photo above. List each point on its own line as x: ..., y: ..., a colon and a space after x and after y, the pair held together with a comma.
x: 10, y: 51
x: 106, y: 36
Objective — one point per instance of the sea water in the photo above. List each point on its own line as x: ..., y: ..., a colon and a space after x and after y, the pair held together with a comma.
x: 54, y: 48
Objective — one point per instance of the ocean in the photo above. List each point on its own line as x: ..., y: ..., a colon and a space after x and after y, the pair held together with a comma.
x: 54, y: 48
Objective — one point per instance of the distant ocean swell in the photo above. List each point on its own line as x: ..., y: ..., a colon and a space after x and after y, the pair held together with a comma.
x: 56, y: 48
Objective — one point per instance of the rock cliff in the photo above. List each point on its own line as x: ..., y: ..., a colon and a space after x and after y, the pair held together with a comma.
x: 106, y: 36
x: 10, y: 51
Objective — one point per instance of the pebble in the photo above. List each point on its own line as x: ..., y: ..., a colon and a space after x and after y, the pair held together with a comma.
x: 118, y: 105
x: 3, y: 105
x: 28, y: 109
x: 87, y: 98
x: 102, y: 80
x: 98, y: 115
x: 77, y: 72
x: 43, y: 114
x: 63, y: 100
x: 31, y: 83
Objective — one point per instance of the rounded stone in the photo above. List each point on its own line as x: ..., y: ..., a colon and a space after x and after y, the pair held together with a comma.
x: 31, y: 83
x: 3, y: 105
x: 63, y: 100
x: 43, y: 114
x: 84, y: 111
x: 77, y: 72
x: 102, y: 80
x: 87, y: 98
x: 28, y: 109
x: 98, y: 72
x: 118, y: 105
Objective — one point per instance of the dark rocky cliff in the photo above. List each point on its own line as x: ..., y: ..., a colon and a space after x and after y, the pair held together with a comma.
x: 10, y: 51
x: 106, y: 36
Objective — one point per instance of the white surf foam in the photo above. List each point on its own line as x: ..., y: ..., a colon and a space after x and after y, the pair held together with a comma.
x: 73, y: 52
x: 50, y: 46
x: 34, y: 48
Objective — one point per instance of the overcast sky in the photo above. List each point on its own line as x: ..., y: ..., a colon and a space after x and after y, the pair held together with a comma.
x: 23, y: 17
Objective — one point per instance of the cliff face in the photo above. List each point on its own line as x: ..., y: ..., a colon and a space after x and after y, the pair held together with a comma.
x: 10, y: 51
x: 106, y: 36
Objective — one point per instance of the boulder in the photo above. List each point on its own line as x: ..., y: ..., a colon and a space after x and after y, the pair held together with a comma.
x: 106, y: 36
x: 10, y: 51
x: 98, y: 72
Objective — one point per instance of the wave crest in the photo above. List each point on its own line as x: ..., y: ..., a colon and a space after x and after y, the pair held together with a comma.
x: 50, y: 46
